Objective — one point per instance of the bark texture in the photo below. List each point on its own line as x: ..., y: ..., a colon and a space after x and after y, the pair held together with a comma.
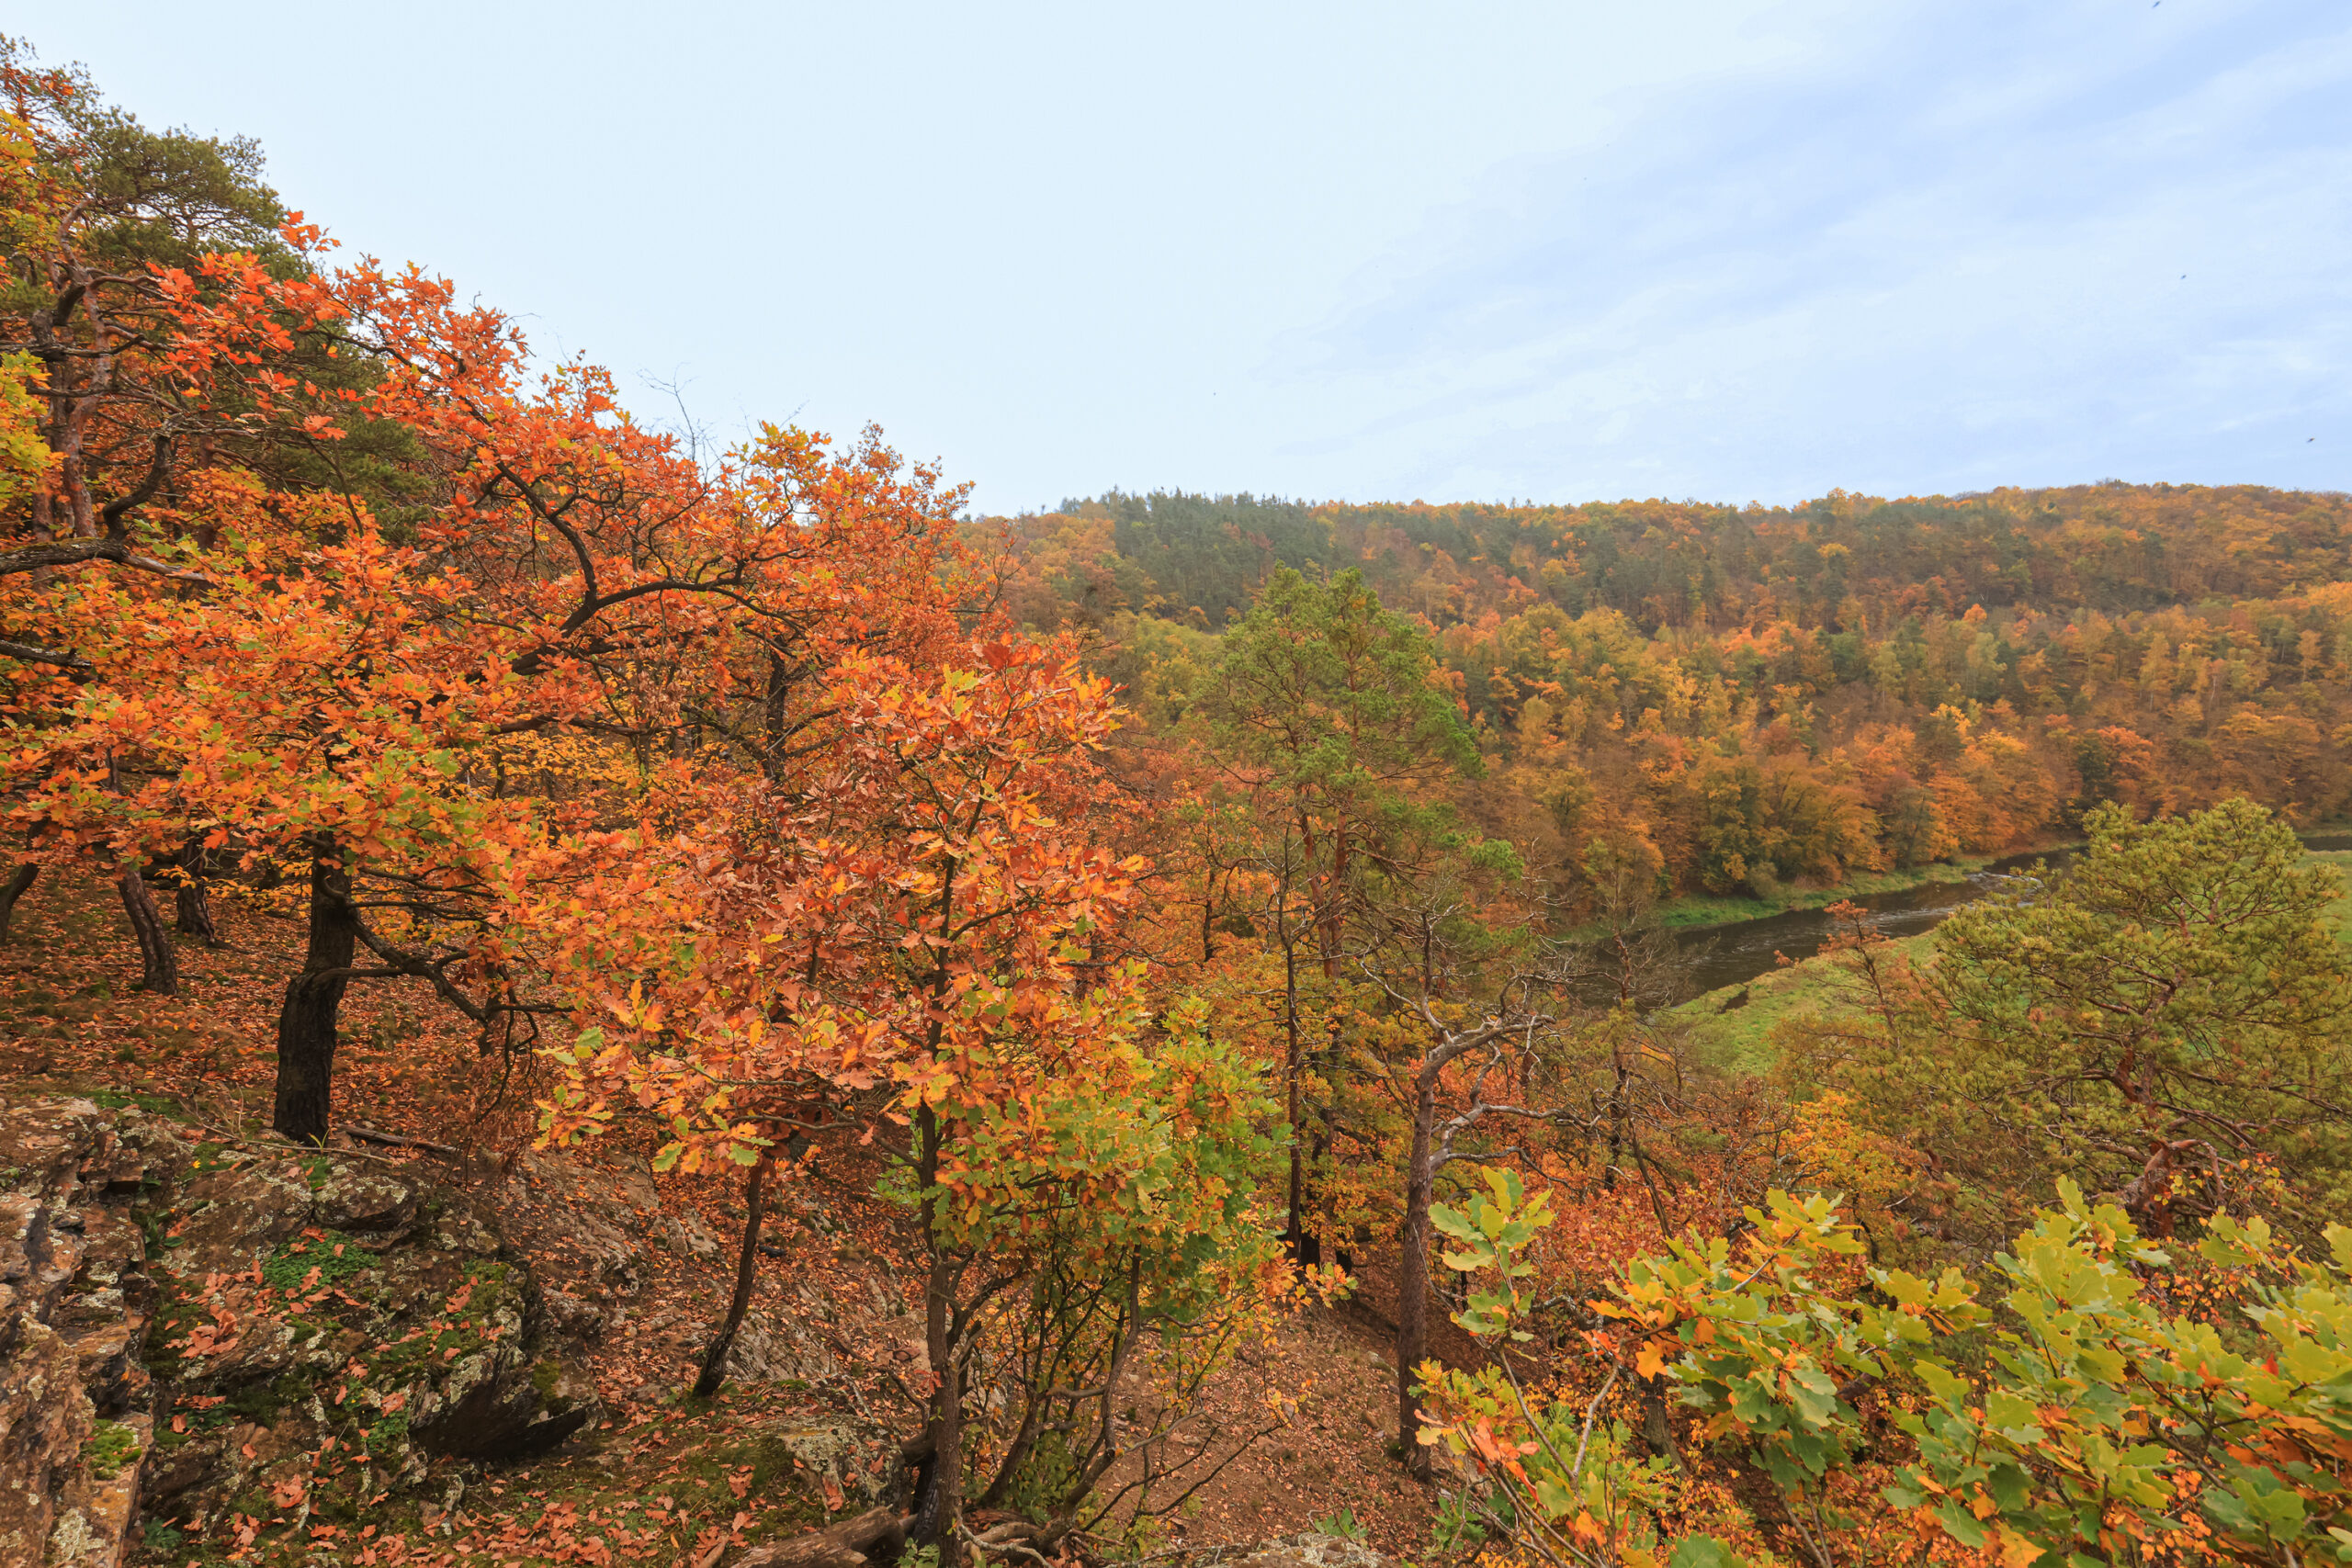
x: 192, y: 906
x: 158, y: 962
x: 12, y: 890
x: 307, y: 1021
x: 747, y: 1268
x: 874, y: 1537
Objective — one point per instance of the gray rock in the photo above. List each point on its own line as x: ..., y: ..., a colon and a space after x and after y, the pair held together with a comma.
x: 300, y: 1295
x: 73, y: 1301
x: 687, y: 1236
x: 1312, y: 1549
x: 769, y: 1349
x: 591, y: 1222
x: 359, y: 1200
x: 578, y: 1319
x: 830, y: 1452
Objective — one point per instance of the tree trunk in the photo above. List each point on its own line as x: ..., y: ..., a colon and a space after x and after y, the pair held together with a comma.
x: 192, y: 907
x: 159, y: 965
x: 1413, y: 1275
x: 874, y: 1537
x: 192, y: 913
x: 1305, y: 1251
x: 1657, y: 1436
x: 747, y: 1268
x: 937, y: 1506
x: 306, y: 1023
x: 937, y: 1499
x: 2148, y: 1198
x: 1616, y: 1113
x: 12, y: 890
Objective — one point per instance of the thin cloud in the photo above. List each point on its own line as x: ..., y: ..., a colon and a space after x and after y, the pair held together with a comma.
x: 1933, y: 262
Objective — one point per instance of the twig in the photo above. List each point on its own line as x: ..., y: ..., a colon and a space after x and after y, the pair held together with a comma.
x: 987, y: 1548
x: 399, y: 1141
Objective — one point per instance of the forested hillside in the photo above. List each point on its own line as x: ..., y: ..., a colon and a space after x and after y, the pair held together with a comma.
x: 1741, y: 699
x: 569, y: 997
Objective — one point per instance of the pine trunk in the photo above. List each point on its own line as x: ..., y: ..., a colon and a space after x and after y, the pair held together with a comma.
x: 307, y: 1021
x: 159, y: 964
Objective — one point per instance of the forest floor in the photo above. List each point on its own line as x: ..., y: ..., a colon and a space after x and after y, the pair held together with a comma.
x: 668, y: 1480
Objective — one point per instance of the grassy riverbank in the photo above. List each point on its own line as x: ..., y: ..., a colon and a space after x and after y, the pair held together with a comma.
x: 1696, y: 911
x: 1738, y: 1020
x: 2338, y: 915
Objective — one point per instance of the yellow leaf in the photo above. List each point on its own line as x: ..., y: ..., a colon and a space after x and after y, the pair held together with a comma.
x: 2017, y: 1551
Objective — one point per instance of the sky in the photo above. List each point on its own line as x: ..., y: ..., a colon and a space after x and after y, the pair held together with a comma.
x: 1733, y: 250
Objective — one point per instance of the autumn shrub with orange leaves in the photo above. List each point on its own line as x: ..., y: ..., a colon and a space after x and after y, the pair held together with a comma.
x: 903, y: 943
x: 1834, y: 1415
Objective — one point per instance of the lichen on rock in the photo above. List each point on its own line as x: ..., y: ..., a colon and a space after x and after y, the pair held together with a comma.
x: 200, y: 1330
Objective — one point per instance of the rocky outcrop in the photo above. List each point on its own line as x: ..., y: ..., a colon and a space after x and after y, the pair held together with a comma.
x: 206, y: 1334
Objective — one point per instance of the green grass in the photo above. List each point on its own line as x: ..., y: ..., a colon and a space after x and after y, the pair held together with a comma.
x: 336, y: 1258
x: 2336, y: 917
x: 1741, y: 1031
x: 154, y: 1104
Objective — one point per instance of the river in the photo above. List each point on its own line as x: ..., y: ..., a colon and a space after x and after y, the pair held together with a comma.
x: 1729, y: 954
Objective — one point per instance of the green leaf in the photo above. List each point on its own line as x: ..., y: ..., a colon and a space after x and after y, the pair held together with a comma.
x: 1960, y: 1525
x: 1947, y: 1389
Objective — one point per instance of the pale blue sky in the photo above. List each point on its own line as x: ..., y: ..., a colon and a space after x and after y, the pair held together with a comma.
x: 1475, y: 251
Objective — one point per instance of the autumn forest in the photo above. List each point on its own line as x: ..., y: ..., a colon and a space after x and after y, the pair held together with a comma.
x: 1737, y: 699
x: 570, y: 993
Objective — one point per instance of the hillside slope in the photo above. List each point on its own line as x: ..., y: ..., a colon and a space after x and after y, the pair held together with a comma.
x: 490, y: 1360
